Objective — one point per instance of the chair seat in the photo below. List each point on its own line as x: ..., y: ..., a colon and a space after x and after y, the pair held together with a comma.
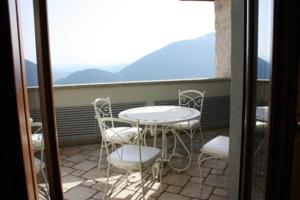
x: 217, y: 147
x: 127, y: 156
x: 260, y: 123
x: 121, y: 134
x: 36, y: 124
x: 261, y: 127
x: 38, y: 164
x: 187, y: 124
x: 37, y: 140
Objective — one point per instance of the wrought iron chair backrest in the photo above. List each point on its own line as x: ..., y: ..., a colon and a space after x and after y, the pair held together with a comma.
x: 130, y: 124
x: 102, y: 109
x: 191, y: 99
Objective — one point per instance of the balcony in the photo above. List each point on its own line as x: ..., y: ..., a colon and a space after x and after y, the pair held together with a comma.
x: 79, y: 144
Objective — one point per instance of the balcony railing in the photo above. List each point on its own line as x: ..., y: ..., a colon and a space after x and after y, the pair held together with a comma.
x: 75, y: 114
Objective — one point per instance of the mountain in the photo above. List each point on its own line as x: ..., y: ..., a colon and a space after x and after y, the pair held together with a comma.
x: 111, y: 68
x: 88, y: 76
x: 184, y: 59
x: 31, y: 73
x: 193, y: 58
x: 263, y: 69
x: 60, y: 71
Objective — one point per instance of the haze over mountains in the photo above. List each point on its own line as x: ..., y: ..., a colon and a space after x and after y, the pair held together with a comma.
x: 193, y: 58
x: 88, y: 76
x: 184, y: 59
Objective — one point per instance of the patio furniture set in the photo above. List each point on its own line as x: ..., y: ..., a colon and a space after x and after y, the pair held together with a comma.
x: 124, y: 138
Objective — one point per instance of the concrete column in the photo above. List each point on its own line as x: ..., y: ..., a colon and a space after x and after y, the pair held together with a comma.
x: 223, y: 37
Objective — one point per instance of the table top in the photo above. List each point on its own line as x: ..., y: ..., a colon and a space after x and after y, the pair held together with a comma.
x: 159, y: 115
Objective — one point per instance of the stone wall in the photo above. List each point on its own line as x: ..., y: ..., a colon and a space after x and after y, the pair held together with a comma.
x: 223, y: 37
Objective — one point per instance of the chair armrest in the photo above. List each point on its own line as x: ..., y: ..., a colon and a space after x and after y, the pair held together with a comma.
x: 36, y: 124
x: 113, y: 119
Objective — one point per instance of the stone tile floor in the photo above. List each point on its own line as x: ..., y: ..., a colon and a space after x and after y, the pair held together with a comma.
x: 81, y: 180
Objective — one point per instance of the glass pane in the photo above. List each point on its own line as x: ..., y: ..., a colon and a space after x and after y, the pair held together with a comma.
x: 28, y: 33
x: 264, y: 70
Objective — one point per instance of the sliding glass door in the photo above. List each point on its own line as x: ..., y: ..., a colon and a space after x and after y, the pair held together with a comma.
x: 260, y: 133
x: 272, y: 61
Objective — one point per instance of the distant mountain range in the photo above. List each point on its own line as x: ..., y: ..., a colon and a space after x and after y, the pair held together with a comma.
x: 263, y: 69
x: 193, y: 58
x: 88, y: 76
x: 184, y: 59
x: 31, y: 73
x: 63, y: 70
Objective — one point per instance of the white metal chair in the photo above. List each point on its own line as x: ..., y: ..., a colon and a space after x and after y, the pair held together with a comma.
x: 39, y: 167
x: 38, y: 147
x: 192, y: 99
x: 130, y: 157
x: 261, y: 136
x: 38, y: 164
x: 217, y: 148
x: 113, y: 135
x: 37, y: 135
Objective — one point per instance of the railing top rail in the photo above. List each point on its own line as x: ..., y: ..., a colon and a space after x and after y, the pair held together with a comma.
x: 148, y: 82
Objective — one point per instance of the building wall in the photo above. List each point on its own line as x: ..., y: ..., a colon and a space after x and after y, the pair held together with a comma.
x: 223, y: 37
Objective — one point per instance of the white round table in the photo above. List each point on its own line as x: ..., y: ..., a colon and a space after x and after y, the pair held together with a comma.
x: 159, y: 115
x: 152, y: 116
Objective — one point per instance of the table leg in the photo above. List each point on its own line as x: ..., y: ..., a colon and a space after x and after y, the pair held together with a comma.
x: 174, y: 154
x: 155, y: 136
x: 163, y: 145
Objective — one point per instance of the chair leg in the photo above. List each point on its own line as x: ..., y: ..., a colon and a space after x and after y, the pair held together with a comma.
x: 144, y: 134
x: 45, y: 180
x: 161, y: 176
x: 200, y: 171
x: 191, y: 136
x: 106, y: 186
x: 100, y: 156
x: 127, y: 179
x: 142, y: 185
x: 42, y: 167
x: 217, y: 168
x: 201, y: 133
x: 175, y: 142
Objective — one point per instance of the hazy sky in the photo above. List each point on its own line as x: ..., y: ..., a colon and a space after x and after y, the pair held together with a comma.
x: 265, y: 29
x: 106, y: 32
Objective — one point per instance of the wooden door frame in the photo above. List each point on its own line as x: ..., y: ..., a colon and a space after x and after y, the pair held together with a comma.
x: 250, y: 70
x: 286, y: 48
x: 17, y: 159
x: 282, y: 122
x: 46, y: 98
x: 20, y: 157
x: 17, y: 170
